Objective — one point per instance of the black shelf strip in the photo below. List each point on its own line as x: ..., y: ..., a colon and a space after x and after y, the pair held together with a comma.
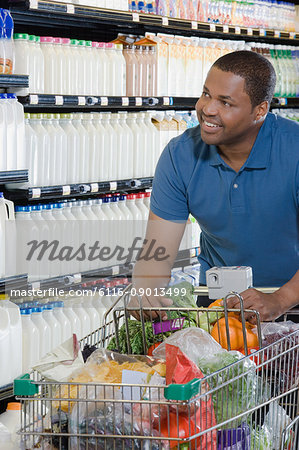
x: 34, y: 102
x: 77, y: 190
x: 45, y: 13
x: 13, y: 176
x: 286, y: 102
x: 14, y: 282
x: 14, y: 81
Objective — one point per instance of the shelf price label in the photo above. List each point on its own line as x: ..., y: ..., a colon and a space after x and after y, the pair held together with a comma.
x: 165, y: 22
x: 249, y: 32
x: 194, y: 25
x: 58, y: 100
x: 113, y: 185
x: 35, y: 286
x: 115, y: 270
x: 33, y: 4
x: 225, y: 29
x: 292, y: 35
x: 81, y: 101
x: 138, y: 101
x: 66, y: 190
x: 212, y: 27
x: 135, y: 17
x: 104, y: 101
x: 276, y: 33
x: 77, y: 278
x: 125, y: 101
x: 166, y: 101
x: 237, y: 30
x: 33, y: 99
x: 36, y: 192
x: 70, y: 9
x: 262, y: 32
x: 94, y: 187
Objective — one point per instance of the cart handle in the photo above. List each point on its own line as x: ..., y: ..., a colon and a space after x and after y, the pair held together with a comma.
x: 182, y: 391
x: 23, y: 386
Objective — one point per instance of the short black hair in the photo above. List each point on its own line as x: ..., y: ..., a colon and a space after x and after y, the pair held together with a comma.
x: 257, y: 71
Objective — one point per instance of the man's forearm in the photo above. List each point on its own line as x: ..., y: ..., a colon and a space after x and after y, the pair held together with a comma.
x: 151, y: 274
x: 289, y: 292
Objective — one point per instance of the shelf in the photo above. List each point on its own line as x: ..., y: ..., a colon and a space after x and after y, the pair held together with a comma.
x: 43, y: 13
x: 69, y: 103
x: 9, y: 283
x: 13, y: 176
x: 14, y: 81
x: 77, y: 190
x: 6, y: 391
x: 287, y: 102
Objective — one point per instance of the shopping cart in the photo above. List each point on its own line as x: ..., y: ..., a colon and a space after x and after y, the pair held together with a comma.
x: 244, y: 405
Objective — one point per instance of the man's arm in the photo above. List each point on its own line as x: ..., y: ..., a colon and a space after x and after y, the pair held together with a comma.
x: 271, y: 306
x: 152, y: 271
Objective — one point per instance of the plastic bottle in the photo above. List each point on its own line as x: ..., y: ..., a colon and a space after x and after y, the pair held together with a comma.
x: 44, y: 331
x: 11, y: 419
x: 5, y: 439
x: 5, y: 352
x: 23, y: 227
x: 111, y: 147
x: 127, y: 155
x: 61, y: 235
x: 66, y: 330
x: 144, y: 211
x: 72, y: 238
x: 78, y: 308
x: 40, y: 72
x: 88, y: 304
x: 147, y: 200
x: 84, y: 149
x: 33, y: 64
x: 52, y: 235
x: 75, y: 68
x: 82, y: 78
x: 140, y: 70
x: 44, y: 150
x: 73, y: 147
x: 131, y: 70
x: 138, y: 150
x: 62, y: 153
x: 152, y: 87
x: 91, y: 230
x: 153, y: 145
x: 59, y: 65
x: 18, y: 159
x: 49, y: 54
x: 90, y: 82
x: 103, y: 229
x: 11, y: 141
x: 145, y: 145
x: 83, y: 235
x: 103, y: 62
x: 3, y: 135
x: 120, y: 87
x: 54, y: 325
x: 7, y: 41
x: 103, y: 138
x: 94, y: 145
x: 137, y: 216
x: 109, y: 235
x: 94, y: 66
x: 30, y: 340
x: 73, y: 317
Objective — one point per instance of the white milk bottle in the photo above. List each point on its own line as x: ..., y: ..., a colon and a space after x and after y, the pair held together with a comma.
x: 83, y: 232
x: 72, y: 316
x: 127, y: 155
x: 83, y: 316
x: 3, y: 135
x: 94, y: 146
x: 118, y: 225
x: 112, y: 68
x: 102, y: 150
x: 61, y: 230
x: 138, y: 140
x: 127, y: 221
x: 111, y: 148
x: 103, y: 227
x: 103, y: 61
x: 44, y: 150
x: 5, y: 351
x: 66, y: 330
x: 11, y: 419
x: 62, y: 151
x: 53, y: 166
x: 53, y: 233
x: 154, y: 144
x: 75, y: 72
x: 39, y: 267
x: 18, y: 161
x: 32, y: 265
x: 21, y: 63
x: 92, y: 225
x: 72, y: 239
x: 31, y: 152
x: 82, y: 73
x: 46, y: 43
x: 40, y: 73
x: 15, y: 332
x: 30, y: 340
x: 11, y: 133
x: 109, y: 234
x: 73, y: 147
x: 7, y: 238
x: 144, y: 211
x: 59, y: 65
x: 90, y: 82
x: 121, y: 145
x: 145, y: 141
x: 95, y: 321
x: 120, y: 88
x: 23, y: 227
x: 33, y: 64
x: 54, y: 325
x: 41, y: 325
x: 137, y: 216
x: 93, y: 67
x: 84, y: 153
x: 67, y: 66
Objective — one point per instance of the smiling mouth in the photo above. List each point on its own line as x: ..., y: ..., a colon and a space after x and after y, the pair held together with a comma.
x: 210, y: 126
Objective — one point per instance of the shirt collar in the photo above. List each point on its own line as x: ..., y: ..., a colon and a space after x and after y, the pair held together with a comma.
x: 260, y: 153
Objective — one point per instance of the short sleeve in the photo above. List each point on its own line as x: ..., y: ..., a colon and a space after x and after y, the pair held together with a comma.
x: 168, y: 199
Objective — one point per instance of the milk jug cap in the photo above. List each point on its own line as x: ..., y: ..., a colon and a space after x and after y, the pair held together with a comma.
x: 48, y: 306
x: 1, y: 195
x: 3, y: 96
x: 114, y: 199
x: 65, y: 41
x: 106, y: 200
x: 131, y: 197
x: 56, y: 40
x: 19, y: 208
x: 101, y: 44
x: 31, y: 38
x: 81, y: 42
x: 37, y: 38
x: 109, y: 45
x: 140, y: 195
x: 88, y: 44
x: 46, y: 39
x: 74, y: 42
x: 21, y: 36
x: 11, y: 96
x: 95, y: 44
x: 25, y: 311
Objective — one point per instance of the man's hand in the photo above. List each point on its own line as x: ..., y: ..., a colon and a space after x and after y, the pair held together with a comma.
x: 270, y: 306
x: 150, y: 302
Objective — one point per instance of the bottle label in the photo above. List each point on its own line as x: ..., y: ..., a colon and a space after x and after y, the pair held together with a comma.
x: 6, y: 66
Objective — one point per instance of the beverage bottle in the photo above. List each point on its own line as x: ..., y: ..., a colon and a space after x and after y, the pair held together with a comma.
x: 30, y: 340
x: 82, y: 80
x: 52, y: 233
x: 18, y: 159
x: 40, y: 267
x: 120, y: 88
x: 5, y: 374
x: 138, y: 148
x: 61, y: 235
x: 10, y: 420
x: 153, y: 144
x: 111, y: 226
x: 73, y: 317
x: 145, y: 143
x: 66, y: 66
x: 22, y: 231
x: 112, y: 69
x: 62, y: 153
x: 90, y: 308
x: 40, y: 73
x: 58, y: 311
x: 140, y: 70
x: 94, y: 65
x: 50, y: 82
x: 83, y: 233
x: 144, y: 211
x: 146, y: 71
x: 7, y: 33
x: 92, y: 233
x: 103, y: 152
x: 84, y: 152
x: 72, y: 238
x: 43, y: 330
x: 73, y: 147
x: 75, y: 69
x: 44, y: 150
x: 103, y: 230
x: 90, y: 82
x: 54, y: 325
x: 121, y: 145
x: 111, y: 147
x: 137, y: 216
x: 131, y: 70
x: 55, y: 149
x: 59, y: 65
x: 152, y: 80
x: 3, y: 134
x: 11, y: 138
x: 147, y: 200
x: 77, y: 305
x: 33, y: 64
x: 118, y: 226
x: 94, y: 146
x: 127, y: 155
x: 103, y: 61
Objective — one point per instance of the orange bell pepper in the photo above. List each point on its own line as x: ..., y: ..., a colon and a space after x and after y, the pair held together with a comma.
x: 235, y: 334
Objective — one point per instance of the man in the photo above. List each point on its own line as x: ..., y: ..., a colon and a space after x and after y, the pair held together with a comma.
x: 237, y: 173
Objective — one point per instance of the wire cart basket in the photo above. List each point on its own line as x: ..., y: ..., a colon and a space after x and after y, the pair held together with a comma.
x: 249, y: 404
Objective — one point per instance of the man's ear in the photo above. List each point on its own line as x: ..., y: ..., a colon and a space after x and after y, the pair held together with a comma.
x: 261, y: 111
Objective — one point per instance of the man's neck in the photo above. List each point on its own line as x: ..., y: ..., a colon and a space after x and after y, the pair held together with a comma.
x: 236, y: 154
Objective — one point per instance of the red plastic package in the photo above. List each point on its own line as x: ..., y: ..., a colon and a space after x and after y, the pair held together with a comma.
x: 187, y: 420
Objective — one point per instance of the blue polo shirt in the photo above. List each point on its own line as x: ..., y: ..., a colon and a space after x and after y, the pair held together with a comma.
x: 248, y: 218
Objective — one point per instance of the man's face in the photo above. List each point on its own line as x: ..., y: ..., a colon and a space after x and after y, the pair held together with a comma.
x: 224, y: 109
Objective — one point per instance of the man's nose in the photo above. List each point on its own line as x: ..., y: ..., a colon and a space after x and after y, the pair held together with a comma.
x: 210, y: 107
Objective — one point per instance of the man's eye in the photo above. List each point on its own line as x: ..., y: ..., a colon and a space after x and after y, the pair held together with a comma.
x: 205, y: 94
x: 225, y: 103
